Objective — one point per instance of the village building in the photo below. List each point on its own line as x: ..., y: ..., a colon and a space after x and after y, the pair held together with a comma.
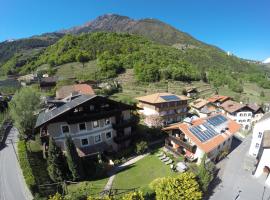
x: 68, y: 90
x: 169, y: 107
x: 47, y: 83
x: 192, y: 92
x: 218, y: 99
x: 95, y: 123
x: 204, y: 108
x: 211, y: 136
x: 243, y: 114
x: 263, y: 159
x: 258, y: 131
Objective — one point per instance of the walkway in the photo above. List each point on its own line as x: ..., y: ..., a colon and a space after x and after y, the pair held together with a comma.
x: 12, y: 184
x: 115, y: 170
x: 235, y: 180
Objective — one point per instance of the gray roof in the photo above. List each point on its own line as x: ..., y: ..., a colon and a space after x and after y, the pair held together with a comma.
x: 46, y: 116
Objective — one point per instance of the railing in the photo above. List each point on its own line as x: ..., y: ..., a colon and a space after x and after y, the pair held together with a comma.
x: 189, y: 147
x: 176, y: 151
x: 120, y: 139
x: 124, y: 123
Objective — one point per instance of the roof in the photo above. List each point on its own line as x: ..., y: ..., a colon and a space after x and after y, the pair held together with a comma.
x: 162, y: 98
x: 52, y: 79
x: 213, y: 142
x: 69, y: 89
x: 232, y: 106
x: 254, y: 107
x: 199, y: 103
x: 266, y: 139
x: 191, y: 89
x: 46, y: 116
x: 219, y: 98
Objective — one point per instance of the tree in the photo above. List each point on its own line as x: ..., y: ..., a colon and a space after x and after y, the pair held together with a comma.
x: 141, y: 147
x: 154, y: 121
x: 56, y: 162
x: 57, y: 196
x: 82, y: 57
x: 133, y: 196
x: 23, y: 106
x: 73, y: 160
x: 262, y: 94
x: 205, y: 173
x: 182, y: 187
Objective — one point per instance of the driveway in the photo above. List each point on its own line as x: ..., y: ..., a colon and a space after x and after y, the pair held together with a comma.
x: 12, y: 184
x: 235, y: 180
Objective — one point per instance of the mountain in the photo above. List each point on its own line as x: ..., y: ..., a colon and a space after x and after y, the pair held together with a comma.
x: 152, y: 29
x: 33, y: 44
x: 266, y: 61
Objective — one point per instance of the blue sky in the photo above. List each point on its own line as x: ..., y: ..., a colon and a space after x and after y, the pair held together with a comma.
x: 239, y: 26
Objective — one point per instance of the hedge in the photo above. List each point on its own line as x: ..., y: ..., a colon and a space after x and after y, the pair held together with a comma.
x: 26, y: 168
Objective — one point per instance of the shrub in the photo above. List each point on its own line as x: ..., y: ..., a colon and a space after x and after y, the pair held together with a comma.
x: 133, y: 196
x: 57, y: 196
x: 26, y: 168
x: 141, y: 147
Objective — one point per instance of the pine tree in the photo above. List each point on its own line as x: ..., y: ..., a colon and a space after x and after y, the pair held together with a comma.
x: 56, y: 162
x: 73, y: 160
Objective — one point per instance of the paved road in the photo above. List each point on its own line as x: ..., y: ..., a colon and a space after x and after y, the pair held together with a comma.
x: 12, y: 185
x: 236, y: 179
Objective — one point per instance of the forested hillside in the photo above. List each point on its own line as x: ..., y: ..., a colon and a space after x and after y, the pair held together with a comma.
x: 115, y: 52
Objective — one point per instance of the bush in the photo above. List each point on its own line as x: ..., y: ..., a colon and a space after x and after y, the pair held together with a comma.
x: 133, y: 196
x: 26, y: 167
x: 141, y: 147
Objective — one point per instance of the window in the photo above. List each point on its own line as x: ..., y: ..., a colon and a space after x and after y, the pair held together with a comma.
x: 92, y: 107
x: 257, y: 145
x: 248, y: 120
x: 240, y: 121
x: 97, y: 139
x: 107, y: 121
x: 244, y: 120
x: 249, y: 114
x: 224, y: 143
x: 108, y: 135
x: 95, y: 124
x: 245, y: 114
x: 65, y: 129
x: 260, y: 135
x: 241, y: 114
x: 82, y: 126
x: 84, y: 142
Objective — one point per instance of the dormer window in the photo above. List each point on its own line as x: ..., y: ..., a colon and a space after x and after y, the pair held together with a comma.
x: 92, y: 107
x: 65, y: 129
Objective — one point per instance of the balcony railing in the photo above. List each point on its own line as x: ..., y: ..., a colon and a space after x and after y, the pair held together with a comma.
x: 177, y: 151
x: 180, y: 142
x: 124, y: 123
x: 119, y: 139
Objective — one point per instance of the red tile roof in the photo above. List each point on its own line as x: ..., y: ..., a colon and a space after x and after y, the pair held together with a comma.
x: 69, y: 89
x: 212, y: 143
x: 219, y: 98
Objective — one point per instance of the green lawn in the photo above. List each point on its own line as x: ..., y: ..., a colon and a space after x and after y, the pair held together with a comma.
x: 142, y: 173
x: 87, y: 188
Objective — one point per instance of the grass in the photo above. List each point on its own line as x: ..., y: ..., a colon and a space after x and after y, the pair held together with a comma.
x: 141, y: 174
x: 86, y: 188
x: 72, y: 70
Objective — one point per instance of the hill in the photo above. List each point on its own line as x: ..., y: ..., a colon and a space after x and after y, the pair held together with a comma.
x: 154, y: 50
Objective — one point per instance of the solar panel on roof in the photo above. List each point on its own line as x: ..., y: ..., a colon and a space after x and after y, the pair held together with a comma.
x: 217, y: 120
x: 203, y: 134
x: 170, y: 98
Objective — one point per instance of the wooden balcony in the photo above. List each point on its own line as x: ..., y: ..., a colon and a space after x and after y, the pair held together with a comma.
x: 124, y: 123
x: 179, y: 141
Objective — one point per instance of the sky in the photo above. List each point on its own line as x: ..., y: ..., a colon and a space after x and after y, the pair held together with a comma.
x: 239, y: 26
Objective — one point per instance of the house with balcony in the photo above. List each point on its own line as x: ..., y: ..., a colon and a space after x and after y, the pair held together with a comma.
x: 210, y: 136
x: 204, y: 108
x: 169, y: 107
x: 244, y: 114
x: 95, y: 123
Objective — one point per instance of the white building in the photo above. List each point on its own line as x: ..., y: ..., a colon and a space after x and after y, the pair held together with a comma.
x: 244, y: 114
x: 263, y: 165
x: 260, y: 127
